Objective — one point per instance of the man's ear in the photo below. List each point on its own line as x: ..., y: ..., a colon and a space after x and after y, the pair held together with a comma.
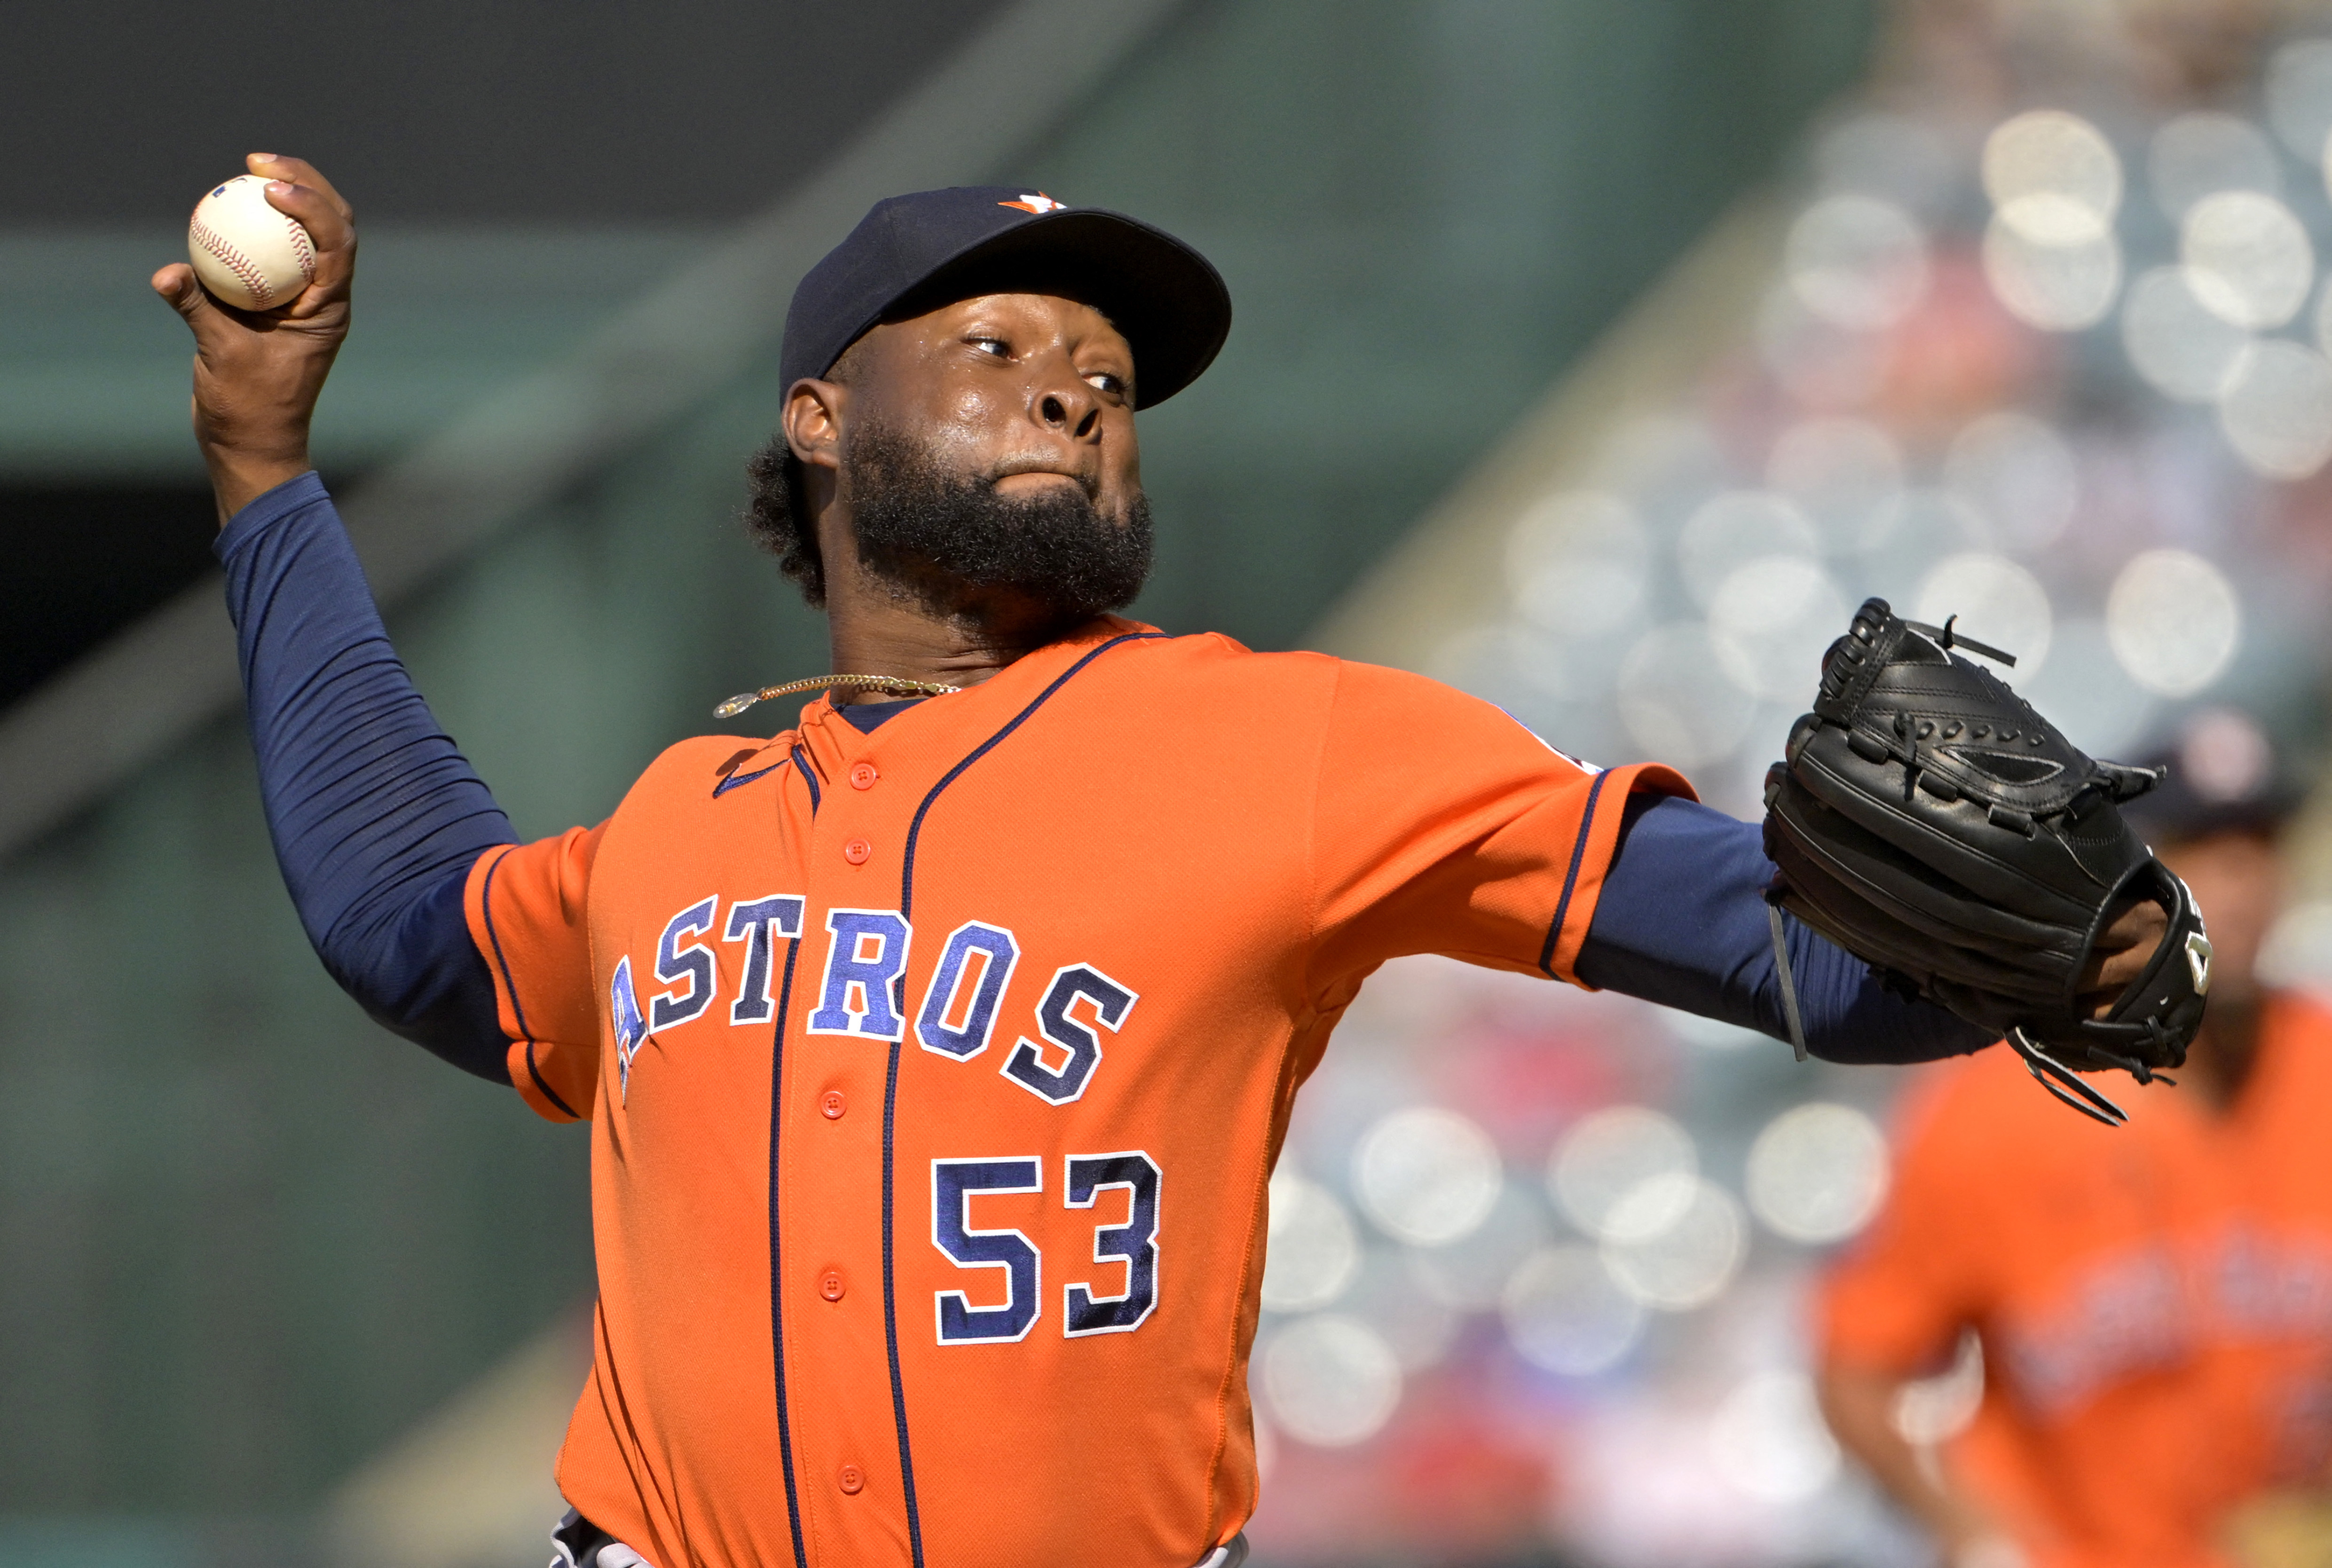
x: 813, y: 421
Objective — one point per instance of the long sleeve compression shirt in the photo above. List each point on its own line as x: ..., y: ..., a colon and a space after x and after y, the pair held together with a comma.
x: 377, y: 818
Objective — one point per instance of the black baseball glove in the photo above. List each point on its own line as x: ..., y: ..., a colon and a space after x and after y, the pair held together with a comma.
x: 1928, y: 821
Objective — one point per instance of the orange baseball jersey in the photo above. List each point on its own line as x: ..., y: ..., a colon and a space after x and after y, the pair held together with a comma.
x: 936, y: 1075
x: 2154, y: 1301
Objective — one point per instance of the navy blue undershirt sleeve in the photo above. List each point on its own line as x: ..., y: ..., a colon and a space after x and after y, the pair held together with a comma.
x: 1681, y: 920
x: 376, y: 816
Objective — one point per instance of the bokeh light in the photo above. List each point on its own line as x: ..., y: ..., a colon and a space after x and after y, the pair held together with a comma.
x: 1771, y: 621
x: 2017, y: 473
x: 1426, y: 1176
x: 2086, y: 693
x: 2298, y: 90
x: 2060, y: 286
x: 1841, y: 474
x: 1608, y: 1153
x: 2183, y: 349
x: 1674, y: 1242
x: 1416, y: 1324
x: 2049, y: 153
x: 1577, y: 563
x: 1729, y: 530
x: 1329, y: 1380
x: 2277, y: 412
x: 1768, y: 1439
x: 2298, y: 951
x: 2247, y: 258
x: 1670, y: 703
x: 1817, y: 1172
x: 1564, y: 1311
x: 1996, y: 601
x: 2173, y: 620
x: 1310, y: 1249
x: 1856, y: 261
x: 1469, y: 1273
x: 2049, y: 252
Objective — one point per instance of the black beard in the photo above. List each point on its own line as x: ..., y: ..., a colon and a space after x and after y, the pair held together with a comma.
x: 949, y: 540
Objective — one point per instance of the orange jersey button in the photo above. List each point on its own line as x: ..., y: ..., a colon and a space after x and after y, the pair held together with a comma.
x: 856, y: 851
x: 852, y: 1479
x: 829, y: 1284
x: 832, y: 1104
x: 863, y: 776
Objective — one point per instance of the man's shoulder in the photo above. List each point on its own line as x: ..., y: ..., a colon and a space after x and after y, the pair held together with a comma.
x: 702, y: 765
x: 1219, y: 656
x: 1204, y: 654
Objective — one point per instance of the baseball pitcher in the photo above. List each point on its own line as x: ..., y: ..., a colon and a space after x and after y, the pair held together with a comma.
x: 937, y: 1048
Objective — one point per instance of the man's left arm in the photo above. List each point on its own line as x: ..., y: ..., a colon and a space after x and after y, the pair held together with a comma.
x: 1682, y: 921
x: 1442, y: 825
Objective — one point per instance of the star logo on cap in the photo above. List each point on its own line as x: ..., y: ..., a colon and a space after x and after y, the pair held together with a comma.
x: 1039, y: 203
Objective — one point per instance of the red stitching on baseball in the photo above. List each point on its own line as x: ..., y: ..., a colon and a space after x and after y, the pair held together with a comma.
x: 235, y: 262
x: 301, y: 248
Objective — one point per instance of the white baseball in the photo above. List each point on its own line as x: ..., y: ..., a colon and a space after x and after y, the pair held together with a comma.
x: 245, y: 251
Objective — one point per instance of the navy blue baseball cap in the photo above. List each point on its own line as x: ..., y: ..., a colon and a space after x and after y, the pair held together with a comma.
x: 913, y: 253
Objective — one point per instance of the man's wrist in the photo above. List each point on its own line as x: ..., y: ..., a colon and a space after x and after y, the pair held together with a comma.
x: 240, y: 478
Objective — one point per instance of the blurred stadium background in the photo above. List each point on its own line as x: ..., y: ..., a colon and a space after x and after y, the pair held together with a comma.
x: 1582, y: 346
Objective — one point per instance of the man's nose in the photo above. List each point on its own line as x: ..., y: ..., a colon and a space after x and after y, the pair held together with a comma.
x: 1067, y: 404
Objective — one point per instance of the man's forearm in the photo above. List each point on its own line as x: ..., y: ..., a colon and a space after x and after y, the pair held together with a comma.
x: 1682, y: 921
x: 376, y: 817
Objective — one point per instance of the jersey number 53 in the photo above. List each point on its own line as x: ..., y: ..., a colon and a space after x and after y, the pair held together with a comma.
x: 1084, y: 1311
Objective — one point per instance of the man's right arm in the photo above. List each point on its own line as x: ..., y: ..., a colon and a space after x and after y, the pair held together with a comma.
x: 377, y: 818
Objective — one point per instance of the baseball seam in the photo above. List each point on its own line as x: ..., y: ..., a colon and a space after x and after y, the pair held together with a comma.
x: 301, y: 248
x: 234, y: 261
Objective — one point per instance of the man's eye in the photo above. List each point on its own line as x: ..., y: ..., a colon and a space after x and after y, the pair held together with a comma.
x: 996, y: 346
x: 1103, y: 381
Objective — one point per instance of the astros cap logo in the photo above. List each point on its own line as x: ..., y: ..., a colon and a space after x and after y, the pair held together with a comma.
x: 1039, y: 203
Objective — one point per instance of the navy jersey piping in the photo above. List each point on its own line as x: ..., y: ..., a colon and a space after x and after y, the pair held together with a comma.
x: 891, y: 1087
x: 1570, y: 877
x: 801, y: 766
x: 735, y: 780
x: 510, y: 984
x: 915, y: 827
x: 776, y: 1297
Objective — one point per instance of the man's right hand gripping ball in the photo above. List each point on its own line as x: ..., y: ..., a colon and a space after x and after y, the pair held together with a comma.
x: 257, y: 373
x: 1927, y: 819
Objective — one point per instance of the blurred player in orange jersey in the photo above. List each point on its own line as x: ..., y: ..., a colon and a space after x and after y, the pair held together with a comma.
x: 2153, y: 1302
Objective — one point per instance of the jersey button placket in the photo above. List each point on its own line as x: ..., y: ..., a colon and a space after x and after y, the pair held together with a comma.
x: 863, y: 774
x: 832, y: 1104
x: 857, y: 851
x: 851, y: 1480
x: 830, y: 1285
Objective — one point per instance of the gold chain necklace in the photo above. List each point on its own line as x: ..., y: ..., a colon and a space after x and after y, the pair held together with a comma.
x: 892, y: 686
